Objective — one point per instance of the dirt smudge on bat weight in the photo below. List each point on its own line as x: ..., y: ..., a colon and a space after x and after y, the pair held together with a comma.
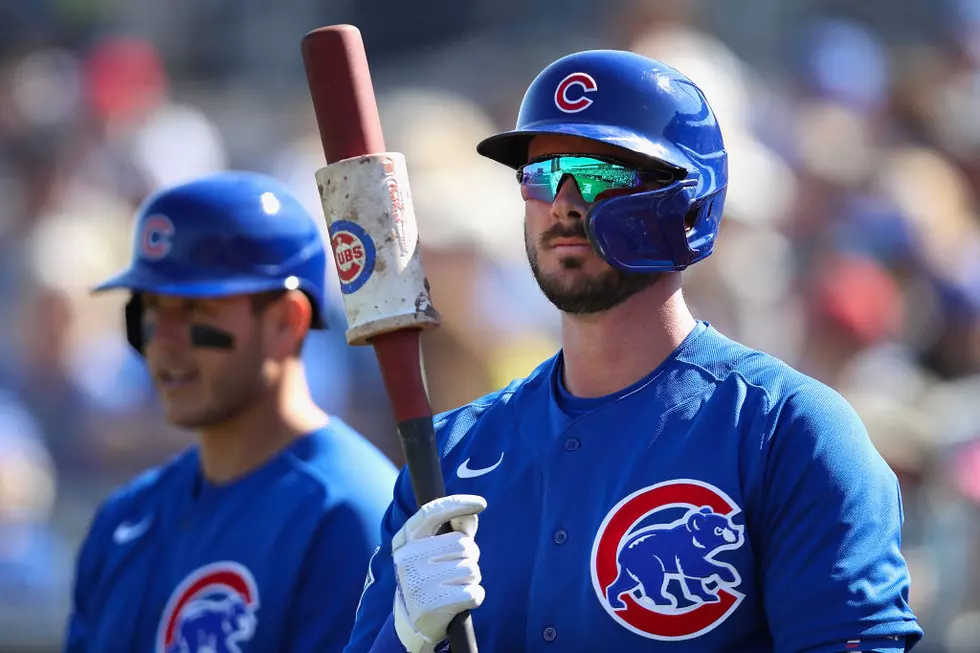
x: 423, y: 304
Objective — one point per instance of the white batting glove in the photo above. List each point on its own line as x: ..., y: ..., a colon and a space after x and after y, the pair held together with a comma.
x: 437, y: 575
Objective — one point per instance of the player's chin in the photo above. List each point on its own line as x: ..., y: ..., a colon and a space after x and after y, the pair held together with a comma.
x: 186, y: 414
x: 579, y: 267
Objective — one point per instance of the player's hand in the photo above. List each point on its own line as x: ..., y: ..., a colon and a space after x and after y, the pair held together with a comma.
x: 437, y: 575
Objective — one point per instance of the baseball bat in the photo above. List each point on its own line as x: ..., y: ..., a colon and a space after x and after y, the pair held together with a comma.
x: 392, y: 306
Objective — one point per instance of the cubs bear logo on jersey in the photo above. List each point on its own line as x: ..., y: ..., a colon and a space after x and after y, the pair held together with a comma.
x: 212, y: 610
x: 654, y: 564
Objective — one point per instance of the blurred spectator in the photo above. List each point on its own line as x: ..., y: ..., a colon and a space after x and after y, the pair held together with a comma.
x: 40, y: 378
x: 32, y: 558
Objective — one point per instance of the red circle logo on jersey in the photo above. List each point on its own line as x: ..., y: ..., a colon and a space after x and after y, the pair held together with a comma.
x: 156, y: 237
x: 354, y: 254
x: 214, y: 605
x: 570, y: 96
x: 654, y: 564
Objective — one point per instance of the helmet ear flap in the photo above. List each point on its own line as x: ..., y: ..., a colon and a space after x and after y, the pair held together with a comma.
x: 643, y: 232
x: 134, y: 322
x: 319, y: 320
x: 703, y: 221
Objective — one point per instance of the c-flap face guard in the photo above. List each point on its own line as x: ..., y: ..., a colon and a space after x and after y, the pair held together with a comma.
x: 646, y: 231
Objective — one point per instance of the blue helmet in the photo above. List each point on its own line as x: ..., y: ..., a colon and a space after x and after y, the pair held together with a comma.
x: 647, y: 107
x: 230, y: 233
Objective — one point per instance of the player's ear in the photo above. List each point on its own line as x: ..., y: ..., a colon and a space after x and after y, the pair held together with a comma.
x: 297, y: 317
x: 290, y: 320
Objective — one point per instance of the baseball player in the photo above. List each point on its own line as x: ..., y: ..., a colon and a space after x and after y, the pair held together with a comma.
x: 256, y: 539
x: 654, y: 486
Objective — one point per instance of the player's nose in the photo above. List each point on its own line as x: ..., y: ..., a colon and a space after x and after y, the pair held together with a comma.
x: 568, y: 204
x: 167, y: 330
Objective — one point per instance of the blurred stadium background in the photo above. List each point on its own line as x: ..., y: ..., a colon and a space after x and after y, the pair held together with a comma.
x: 851, y: 246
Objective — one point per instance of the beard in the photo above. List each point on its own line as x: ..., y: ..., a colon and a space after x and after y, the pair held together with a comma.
x: 583, y: 295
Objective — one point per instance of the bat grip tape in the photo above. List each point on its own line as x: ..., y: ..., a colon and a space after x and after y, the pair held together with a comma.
x: 423, y: 461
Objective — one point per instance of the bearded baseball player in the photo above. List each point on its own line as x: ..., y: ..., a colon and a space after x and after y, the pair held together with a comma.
x: 654, y: 486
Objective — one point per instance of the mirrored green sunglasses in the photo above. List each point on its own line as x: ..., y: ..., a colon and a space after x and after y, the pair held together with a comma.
x: 541, y: 178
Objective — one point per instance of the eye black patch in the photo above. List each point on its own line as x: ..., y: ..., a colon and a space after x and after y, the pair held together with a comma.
x: 202, y: 335
x: 211, y: 337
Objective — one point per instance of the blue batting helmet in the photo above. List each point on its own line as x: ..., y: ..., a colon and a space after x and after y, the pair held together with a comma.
x: 647, y: 107
x: 230, y: 233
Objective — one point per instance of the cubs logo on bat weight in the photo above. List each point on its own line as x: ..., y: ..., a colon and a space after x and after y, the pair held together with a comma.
x: 354, y: 254
x: 655, y: 563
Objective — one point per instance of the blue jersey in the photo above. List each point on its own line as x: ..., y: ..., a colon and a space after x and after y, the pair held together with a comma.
x: 271, y: 562
x: 725, y: 503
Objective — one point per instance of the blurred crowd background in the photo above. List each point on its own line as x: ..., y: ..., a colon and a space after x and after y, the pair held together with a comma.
x: 850, y: 247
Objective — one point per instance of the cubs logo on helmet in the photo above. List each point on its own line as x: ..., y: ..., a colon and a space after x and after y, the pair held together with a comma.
x: 656, y: 568
x: 156, y: 237
x: 563, y: 98
x: 211, y: 611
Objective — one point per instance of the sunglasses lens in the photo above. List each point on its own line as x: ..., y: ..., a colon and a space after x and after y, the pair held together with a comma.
x: 540, y: 180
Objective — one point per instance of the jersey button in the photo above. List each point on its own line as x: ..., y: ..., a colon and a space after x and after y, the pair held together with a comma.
x: 572, y: 444
x: 561, y: 536
x: 549, y: 634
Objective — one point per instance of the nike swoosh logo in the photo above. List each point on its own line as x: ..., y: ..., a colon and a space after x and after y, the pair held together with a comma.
x: 126, y: 532
x: 465, y: 471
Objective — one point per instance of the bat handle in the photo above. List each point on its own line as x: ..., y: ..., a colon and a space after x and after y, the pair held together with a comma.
x: 422, y: 457
x: 398, y: 358
x: 462, y: 638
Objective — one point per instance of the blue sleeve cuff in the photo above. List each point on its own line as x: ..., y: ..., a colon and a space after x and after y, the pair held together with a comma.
x: 864, y: 645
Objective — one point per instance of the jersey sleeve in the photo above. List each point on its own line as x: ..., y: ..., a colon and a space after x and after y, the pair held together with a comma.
x: 872, y: 645
x: 87, y: 565
x: 829, y: 533
x: 378, y: 594
x: 322, y: 614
